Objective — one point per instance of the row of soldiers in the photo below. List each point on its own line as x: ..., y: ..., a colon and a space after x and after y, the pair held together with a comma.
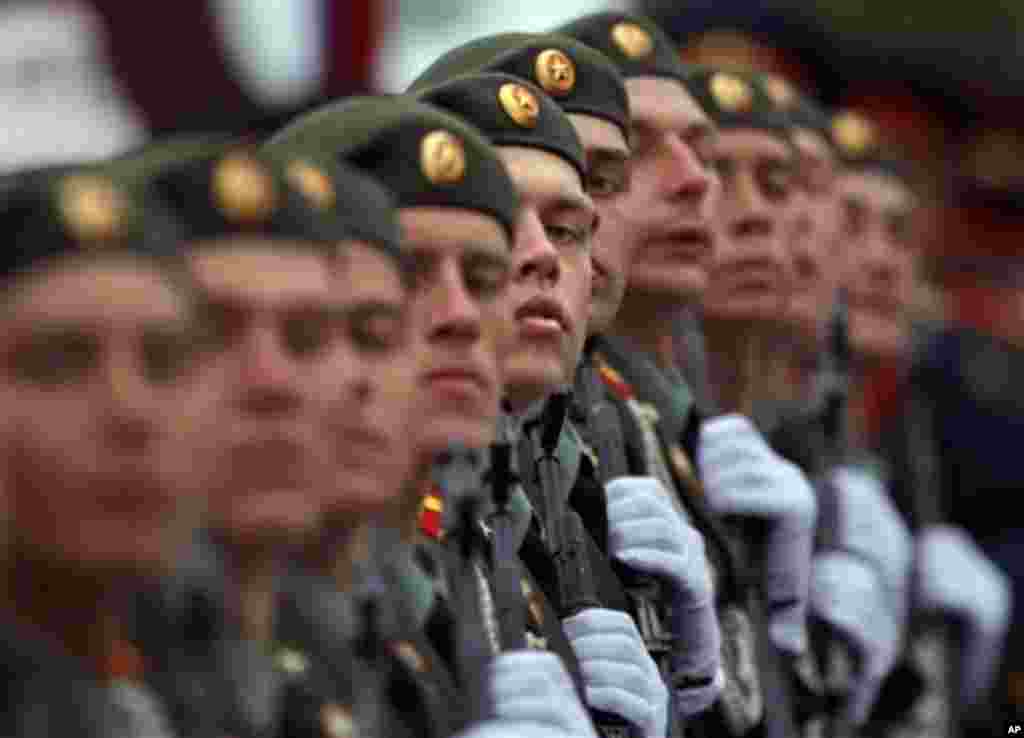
x: 533, y: 401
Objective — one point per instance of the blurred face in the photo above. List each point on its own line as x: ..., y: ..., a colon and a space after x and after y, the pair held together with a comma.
x: 273, y: 321
x: 607, y: 182
x: 878, y: 269
x: 815, y: 239
x: 551, y: 275
x: 375, y: 368
x: 461, y: 267
x: 661, y: 225
x: 101, y: 395
x: 749, y: 276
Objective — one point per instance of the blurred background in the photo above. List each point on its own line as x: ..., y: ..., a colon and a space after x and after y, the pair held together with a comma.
x: 89, y: 77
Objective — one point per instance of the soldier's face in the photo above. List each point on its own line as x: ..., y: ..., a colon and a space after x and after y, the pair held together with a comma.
x: 663, y: 221
x: 814, y: 241
x: 878, y: 269
x: 376, y: 364
x: 551, y: 275
x: 461, y: 270
x: 273, y: 317
x: 103, y: 398
x: 608, y: 175
x: 750, y: 272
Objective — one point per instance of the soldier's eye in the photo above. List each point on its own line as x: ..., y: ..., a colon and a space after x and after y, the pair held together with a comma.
x: 377, y: 333
x: 605, y: 179
x: 485, y: 275
x: 166, y: 354
x: 56, y: 358
x: 776, y: 181
x: 855, y: 218
x: 218, y: 327
x: 307, y: 333
x: 568, y: 235
x: 725, y: 167
x: 899, y: 228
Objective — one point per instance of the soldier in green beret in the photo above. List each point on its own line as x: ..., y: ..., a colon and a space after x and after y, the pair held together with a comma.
x: 459, y: 210
x: 550, y: 301
x: 663, y: 227
x: 102, y: 390
x: 303, y: 288
x: 590, y: 89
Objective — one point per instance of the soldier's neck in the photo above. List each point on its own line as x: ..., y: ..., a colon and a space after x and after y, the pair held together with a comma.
x: 79, y: 610
x: 252, y: 575
x: 645, y: 321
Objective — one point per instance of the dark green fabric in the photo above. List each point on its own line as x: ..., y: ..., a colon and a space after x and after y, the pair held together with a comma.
x: 874, y: 156
x: 596, y: 30
x: 382, y: 136
x: 474, y: 97
x: 182, y: 174
x: 598, y: 89
x: 762, y: 114
x: 38, y: 226
x: 801, y: 111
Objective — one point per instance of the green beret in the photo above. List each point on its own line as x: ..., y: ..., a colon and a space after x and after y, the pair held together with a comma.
x: 347, y: 204
x: 800, y: 110
x: 580, y: 79
x: 69, y: 210
x: 425, y: 156
x: 634, y: 43
x: 735, y: 99
x: 510, y: 111
x: 860, y: 147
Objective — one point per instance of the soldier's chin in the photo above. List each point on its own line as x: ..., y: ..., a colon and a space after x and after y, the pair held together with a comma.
x: 531, y: 374
x: 441, y: 429
x: 877, y: 338
x: 281, y: 515
x: 810, y: 320
x: 365, y: 493
x: 677, y: 283
x: 751, y: 309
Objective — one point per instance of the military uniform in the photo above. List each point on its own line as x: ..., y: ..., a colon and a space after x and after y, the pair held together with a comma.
x: 380, y: 135
x: 581, y: 81
x: 308, y: 680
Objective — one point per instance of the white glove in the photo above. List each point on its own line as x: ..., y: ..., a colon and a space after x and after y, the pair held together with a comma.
x: 533, y: 688
x: 510, y: 729
x: 744, y: 477
x: 619, y: 675
x: 847, y: 593
x: 648, y: 535
x: 868, y: 524
x: 956, y: 577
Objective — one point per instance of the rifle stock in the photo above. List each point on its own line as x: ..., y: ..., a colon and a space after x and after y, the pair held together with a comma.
x: 566, y: 539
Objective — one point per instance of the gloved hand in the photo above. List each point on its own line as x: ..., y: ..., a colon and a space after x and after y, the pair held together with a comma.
x: 956, y: 577
x: 744, y: 477
x: 868, y: 524
x: 648, y: 535
x: 511, y: 729
x: 533, y: 688
x: 619, y: 675
x: 847, y: 593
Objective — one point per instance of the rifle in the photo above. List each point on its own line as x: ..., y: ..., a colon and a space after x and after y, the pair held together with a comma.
x: 372, y: 678
x: 926, y: 482
x: 457, y: 471
x: 509, y: 601
x: 566, y: 541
